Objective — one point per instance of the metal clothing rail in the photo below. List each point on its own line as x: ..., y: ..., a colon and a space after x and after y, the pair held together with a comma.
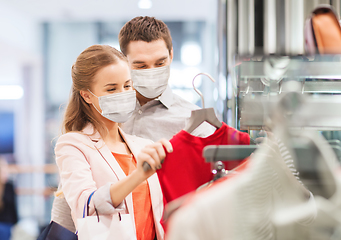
x: 215, y: 153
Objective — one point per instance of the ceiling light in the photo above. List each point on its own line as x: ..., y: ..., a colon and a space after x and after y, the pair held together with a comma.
x: 145, y: 4
x: 191, y: 54
x: 11, y: 92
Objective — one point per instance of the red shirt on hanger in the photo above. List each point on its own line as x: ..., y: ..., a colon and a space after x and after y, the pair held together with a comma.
x: 185, y: 169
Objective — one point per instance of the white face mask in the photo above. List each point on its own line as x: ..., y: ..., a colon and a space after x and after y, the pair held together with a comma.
x: 151, y: 83
x: 117, y: 107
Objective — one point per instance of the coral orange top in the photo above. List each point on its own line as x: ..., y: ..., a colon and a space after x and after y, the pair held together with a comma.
x: 143, y: 213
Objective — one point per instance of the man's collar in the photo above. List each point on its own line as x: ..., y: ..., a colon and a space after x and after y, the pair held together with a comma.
x: 166, y: 97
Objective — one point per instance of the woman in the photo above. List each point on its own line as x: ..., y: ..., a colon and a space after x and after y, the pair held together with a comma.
x: 95, y: 155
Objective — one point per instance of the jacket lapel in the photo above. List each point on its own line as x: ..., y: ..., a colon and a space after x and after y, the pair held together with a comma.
x: 156, y: 195
x: 105, y: 152
x: 110, y: 159
x: 130, y: 143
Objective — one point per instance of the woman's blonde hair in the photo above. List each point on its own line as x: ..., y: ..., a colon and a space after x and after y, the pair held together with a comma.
x: 78, y: 112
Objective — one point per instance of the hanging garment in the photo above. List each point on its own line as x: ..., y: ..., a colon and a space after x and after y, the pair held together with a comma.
x: 326, y: 206
x: 322, y: 31
x: 185, y: 169
x: 287, y: 158
x: 241, y: 207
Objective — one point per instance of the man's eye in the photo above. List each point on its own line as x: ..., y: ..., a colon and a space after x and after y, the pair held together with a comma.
x: 160, y: 64
x: 140, y: 66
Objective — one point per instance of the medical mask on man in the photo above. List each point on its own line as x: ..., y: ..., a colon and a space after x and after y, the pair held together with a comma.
x: 152, y: 82
x: 117, y: 107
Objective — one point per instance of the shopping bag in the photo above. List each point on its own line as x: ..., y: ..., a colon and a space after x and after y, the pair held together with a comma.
x: 104, y: 227
x: 119, y: 227
x: 54, y: 231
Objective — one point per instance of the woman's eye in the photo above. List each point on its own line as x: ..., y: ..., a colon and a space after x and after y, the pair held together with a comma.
x: 127, y: 86
x: 111, y: 89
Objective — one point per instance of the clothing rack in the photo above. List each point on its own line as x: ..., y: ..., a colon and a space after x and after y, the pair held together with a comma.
x: 215, y: 153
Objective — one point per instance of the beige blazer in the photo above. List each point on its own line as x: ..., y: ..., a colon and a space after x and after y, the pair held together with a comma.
x: 86, y: 164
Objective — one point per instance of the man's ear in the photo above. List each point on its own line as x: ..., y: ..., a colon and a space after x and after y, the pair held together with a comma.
x: 86, y: 95
x: 171, y: 54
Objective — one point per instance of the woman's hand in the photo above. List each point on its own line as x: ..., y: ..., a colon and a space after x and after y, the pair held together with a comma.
x: 153, y: 154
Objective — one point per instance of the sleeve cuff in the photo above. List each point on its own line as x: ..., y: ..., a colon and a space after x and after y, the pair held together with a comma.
x: 102, y: 201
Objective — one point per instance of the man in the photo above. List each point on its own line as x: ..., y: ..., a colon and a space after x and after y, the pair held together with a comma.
x: 159, y: 113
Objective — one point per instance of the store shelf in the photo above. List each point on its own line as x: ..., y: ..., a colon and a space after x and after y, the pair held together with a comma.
x: 296, y: 69
x: 316, y: 112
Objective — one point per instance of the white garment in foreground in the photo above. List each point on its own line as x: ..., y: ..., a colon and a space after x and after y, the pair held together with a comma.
x: 242, y: 207
x: 326, y: 206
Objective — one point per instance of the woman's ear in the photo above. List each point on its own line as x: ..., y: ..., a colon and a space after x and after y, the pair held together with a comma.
x: 86, y: 95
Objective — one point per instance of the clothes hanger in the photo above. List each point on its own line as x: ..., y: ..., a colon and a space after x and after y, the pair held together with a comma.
x: 202, y: 115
